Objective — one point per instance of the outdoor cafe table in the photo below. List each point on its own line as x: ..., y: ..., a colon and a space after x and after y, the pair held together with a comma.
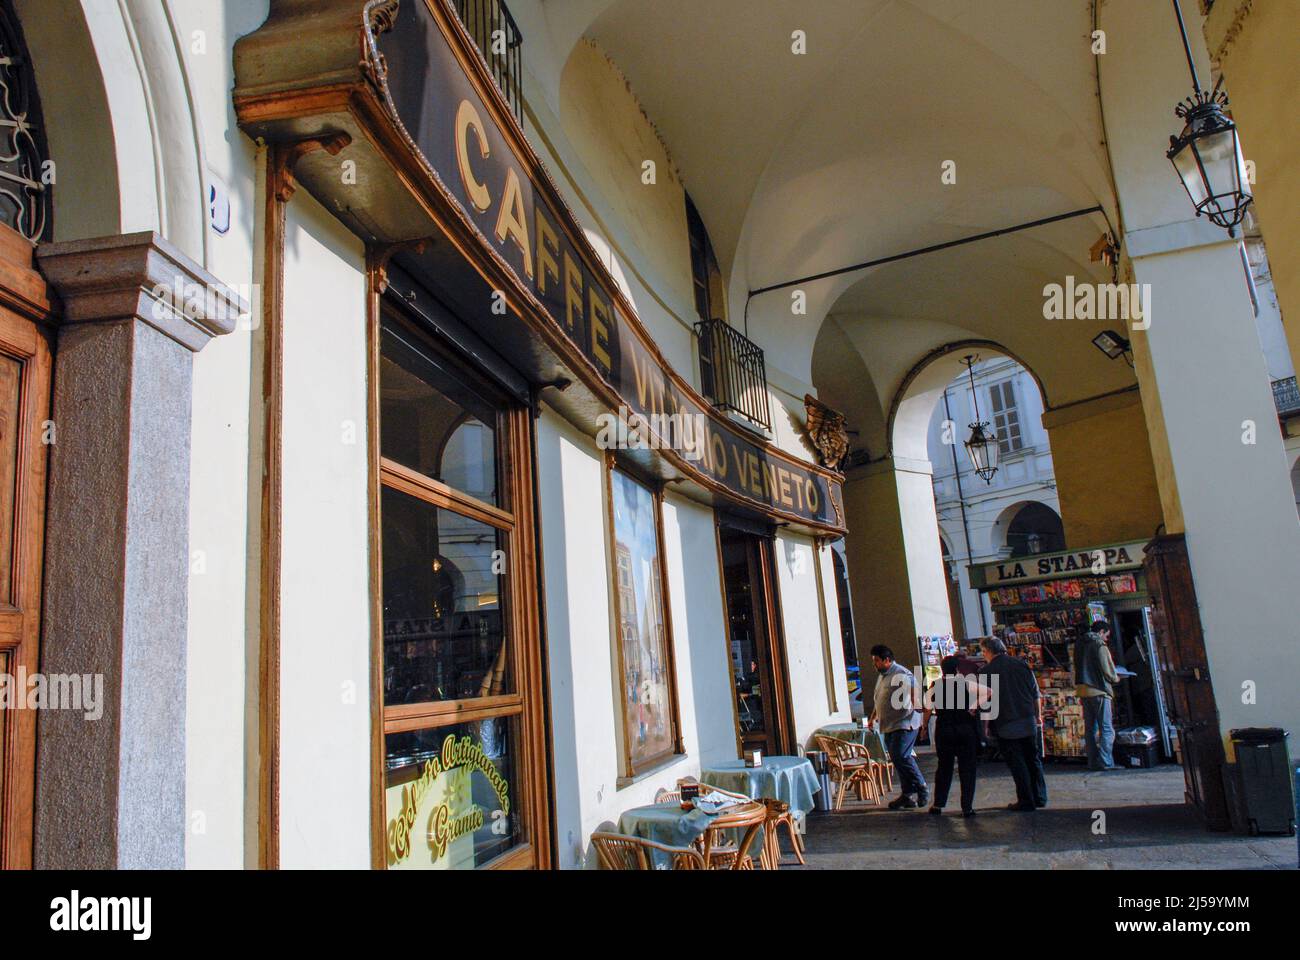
x: 856, y: 733
x: 668, y: 823
x: 790, y: 779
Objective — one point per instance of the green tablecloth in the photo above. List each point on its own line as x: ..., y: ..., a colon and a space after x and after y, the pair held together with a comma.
x: 790, y: 779
x: 855, y: 733
x: 669, y: 823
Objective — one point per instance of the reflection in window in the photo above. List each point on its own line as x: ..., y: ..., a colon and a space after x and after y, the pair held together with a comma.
x: 443, y: 636
x: 431, y: 421
x: 649, y: 721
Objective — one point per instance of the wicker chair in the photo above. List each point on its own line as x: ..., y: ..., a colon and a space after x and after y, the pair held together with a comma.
x: 778, y: 813
x: 720, y: 854
x: 876, y: 750
x: 851, y: 765
x: 617, y: 851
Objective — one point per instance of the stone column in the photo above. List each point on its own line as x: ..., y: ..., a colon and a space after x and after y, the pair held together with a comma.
x: 895, y: 563
x: 110, y: 792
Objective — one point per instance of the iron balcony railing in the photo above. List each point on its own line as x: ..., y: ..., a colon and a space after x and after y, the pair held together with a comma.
x: 732, y: 371
x: 1286, y: 396
x: 494, y: 30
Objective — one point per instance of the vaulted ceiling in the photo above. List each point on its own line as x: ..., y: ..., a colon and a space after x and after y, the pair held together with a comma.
x: 806, y: 163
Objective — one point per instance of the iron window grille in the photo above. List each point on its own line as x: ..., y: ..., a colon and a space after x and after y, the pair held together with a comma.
x: 733, y: 373
x: 498, y: 38
x: 24, y: 195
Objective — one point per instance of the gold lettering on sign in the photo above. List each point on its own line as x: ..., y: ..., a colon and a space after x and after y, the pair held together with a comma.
x: 572, y: 292
x: 467, y: 119
x: 444, y: 827
x: 511, y: 219
x: 600, y: 330
x: 548, y: 245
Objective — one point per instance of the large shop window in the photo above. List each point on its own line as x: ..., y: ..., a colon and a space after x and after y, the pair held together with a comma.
x: 644, y: 633
x: 456, y: 688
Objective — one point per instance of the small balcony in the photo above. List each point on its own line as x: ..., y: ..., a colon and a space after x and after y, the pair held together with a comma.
x: 498, y: 38
x: 1286, y: 396
x: 733, y: 374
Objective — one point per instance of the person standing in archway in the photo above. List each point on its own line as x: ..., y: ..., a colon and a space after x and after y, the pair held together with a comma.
x: 1017, y: 722
x: 896, y: 702
x: 1094, y: 674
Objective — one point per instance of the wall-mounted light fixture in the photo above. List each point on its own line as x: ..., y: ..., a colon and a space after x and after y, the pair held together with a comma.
x: 1113, y: 344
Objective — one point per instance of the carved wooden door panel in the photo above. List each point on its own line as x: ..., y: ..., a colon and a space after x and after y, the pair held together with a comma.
x: 25, y: 434
x: 1185, y: 675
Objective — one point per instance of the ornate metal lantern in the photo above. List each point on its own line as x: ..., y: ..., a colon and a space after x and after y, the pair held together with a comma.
x: 982, y: 447
x: 1207, y: 154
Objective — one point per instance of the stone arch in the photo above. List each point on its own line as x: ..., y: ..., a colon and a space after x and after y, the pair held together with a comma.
x: 913, y: 403
x: 121, y: 126
x: 1016, y: 523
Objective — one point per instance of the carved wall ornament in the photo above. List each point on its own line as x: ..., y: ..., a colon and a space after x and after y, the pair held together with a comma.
x: 826, y: 432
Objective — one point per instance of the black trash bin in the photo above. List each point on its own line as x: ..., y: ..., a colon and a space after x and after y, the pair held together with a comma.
x: 1264, y: 775
x: 820, y: 767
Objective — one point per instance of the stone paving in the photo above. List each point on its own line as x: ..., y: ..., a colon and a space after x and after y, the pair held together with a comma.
x: 1147, y: 826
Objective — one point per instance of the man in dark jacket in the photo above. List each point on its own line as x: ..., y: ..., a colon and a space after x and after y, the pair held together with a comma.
x: 1094, y: 674
x: 1015, y: 709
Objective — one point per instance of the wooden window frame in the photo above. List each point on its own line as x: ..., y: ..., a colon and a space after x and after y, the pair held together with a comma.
x: 515, y: 517
x: 630, y: 770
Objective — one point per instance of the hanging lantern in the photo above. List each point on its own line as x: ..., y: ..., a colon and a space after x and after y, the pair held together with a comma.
x: 1207, y: 154
x: 982, y: 447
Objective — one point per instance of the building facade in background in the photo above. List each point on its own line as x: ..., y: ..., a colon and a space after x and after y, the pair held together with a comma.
x: 1016, y: 513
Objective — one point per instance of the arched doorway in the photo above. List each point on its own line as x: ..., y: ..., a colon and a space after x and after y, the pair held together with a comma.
x: 1035, y: 528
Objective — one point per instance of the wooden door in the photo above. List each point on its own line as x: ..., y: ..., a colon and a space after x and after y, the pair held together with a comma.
x: 1185, y: 675
x: 25, y: 433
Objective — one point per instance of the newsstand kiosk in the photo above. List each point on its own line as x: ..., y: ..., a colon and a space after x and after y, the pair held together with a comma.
x: 1043, y: 602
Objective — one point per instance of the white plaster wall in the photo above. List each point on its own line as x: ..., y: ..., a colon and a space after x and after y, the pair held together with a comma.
x: 217, y: 682
x: 811, y: 624
x: 587, y: 751
x: 325, y: 775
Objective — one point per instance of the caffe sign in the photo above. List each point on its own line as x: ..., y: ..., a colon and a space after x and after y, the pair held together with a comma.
x: 516, y: 209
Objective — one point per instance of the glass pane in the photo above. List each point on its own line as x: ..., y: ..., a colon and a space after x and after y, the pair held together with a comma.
x: 743, y: 636
x: 11, y: 372
x: 642, y: 634
x: 444, y: 637
x: 431, y: 421
x: 450, y: 797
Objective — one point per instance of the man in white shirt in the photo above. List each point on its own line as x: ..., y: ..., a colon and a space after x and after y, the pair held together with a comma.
x: 897, y: 705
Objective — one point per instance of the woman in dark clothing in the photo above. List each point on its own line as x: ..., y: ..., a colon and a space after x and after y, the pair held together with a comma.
x: 956, y: 737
